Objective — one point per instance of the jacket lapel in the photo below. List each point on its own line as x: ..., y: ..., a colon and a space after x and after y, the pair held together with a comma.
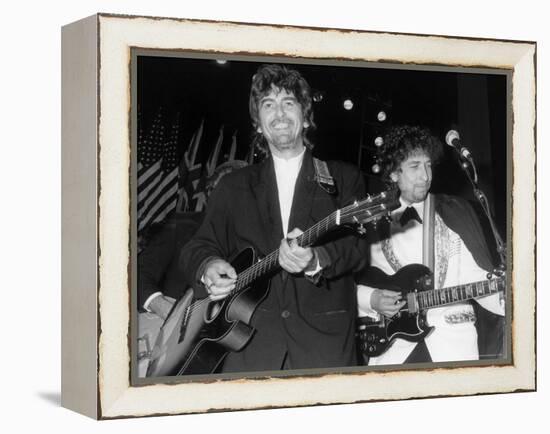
x: 303, y: 195
x: 264, y: 188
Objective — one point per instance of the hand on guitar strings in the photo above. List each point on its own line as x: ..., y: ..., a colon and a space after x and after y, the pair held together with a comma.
x: 292, y: 257
x: 219, y: 279
x: 386, y: 302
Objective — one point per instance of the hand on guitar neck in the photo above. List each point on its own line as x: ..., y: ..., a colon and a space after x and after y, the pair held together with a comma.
x: 294, y: 258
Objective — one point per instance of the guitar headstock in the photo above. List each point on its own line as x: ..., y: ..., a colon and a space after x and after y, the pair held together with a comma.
x: 498, y: 275
x: 369, y: 209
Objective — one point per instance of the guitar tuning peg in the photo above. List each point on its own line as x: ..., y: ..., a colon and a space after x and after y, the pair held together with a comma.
x: 499, y: 272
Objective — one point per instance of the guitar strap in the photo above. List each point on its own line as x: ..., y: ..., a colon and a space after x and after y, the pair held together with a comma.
x: 323, y: 176
x: 428, y: 227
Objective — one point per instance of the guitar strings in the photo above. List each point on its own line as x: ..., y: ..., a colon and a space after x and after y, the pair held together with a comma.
x: 251, y: 273
x: 454, y: 294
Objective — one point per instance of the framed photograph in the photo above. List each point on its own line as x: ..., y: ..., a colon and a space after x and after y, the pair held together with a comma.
x: 171, y: 133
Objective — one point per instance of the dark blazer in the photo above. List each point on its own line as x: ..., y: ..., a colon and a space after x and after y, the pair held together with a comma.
x: 299, y: 324
x: 458, y: 215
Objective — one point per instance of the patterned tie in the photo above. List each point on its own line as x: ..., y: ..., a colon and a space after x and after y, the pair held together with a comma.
x: 409, y: 214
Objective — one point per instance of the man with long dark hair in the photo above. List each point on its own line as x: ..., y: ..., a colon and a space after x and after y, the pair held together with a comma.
x: 307, y: 317
x: 452, y: 234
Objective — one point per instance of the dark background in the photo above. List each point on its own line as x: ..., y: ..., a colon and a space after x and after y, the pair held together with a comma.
x: 191, y: 90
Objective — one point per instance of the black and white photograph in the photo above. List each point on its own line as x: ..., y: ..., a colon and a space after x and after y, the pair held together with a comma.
x: 265, y: 216
x: 262, y: 217
x: 295, y: 217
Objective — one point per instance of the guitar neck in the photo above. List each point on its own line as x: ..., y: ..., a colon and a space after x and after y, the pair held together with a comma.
x: 455, y: 294
x: 271, y: 262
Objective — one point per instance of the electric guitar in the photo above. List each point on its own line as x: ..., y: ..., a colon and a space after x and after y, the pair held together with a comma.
x: 198, y: 334
x: 375, y: 336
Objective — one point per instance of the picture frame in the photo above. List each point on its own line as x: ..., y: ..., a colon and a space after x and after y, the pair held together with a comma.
x: 97, y: 172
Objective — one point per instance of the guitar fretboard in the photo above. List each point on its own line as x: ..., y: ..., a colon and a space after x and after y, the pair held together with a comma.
x: 453, y: 294
x: 369, y: 209
x: 271, y: 262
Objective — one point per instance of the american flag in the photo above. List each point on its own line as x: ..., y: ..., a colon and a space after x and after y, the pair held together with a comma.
x: 199, y: 195
x: 157, y: 173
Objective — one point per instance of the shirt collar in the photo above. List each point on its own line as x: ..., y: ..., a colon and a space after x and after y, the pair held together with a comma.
x: 290, y: 164
x: 419, y: 206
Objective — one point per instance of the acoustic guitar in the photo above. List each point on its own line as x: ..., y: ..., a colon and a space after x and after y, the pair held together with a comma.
x: 198, y: 334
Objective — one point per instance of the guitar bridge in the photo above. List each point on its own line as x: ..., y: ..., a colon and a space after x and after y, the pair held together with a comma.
x: 185, y: 319
x: 183, y: 324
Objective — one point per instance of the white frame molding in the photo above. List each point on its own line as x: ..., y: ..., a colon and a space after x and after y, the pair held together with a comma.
x: 96, y: 215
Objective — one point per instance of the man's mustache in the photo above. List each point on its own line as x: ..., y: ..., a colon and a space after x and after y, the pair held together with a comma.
x: 281, y: 121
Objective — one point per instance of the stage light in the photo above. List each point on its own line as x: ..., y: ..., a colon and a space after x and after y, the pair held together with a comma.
x: 376, y: 168
x: 379, y: 141
x: 221, y: 61
x: 381, y: 116
x: 348, y: 104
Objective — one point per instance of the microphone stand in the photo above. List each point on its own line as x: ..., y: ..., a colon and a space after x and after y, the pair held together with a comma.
x: 466, y: 164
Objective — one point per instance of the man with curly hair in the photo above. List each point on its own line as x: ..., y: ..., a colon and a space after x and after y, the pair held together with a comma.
x: 449, y: 240
x: 307, y: 318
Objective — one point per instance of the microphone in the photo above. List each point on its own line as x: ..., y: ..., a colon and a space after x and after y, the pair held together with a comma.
x: 453, y: 140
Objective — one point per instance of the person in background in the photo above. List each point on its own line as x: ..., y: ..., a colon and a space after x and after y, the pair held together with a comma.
x: 460, y: 256
x: 160, y: 279
x: 307, y: 319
